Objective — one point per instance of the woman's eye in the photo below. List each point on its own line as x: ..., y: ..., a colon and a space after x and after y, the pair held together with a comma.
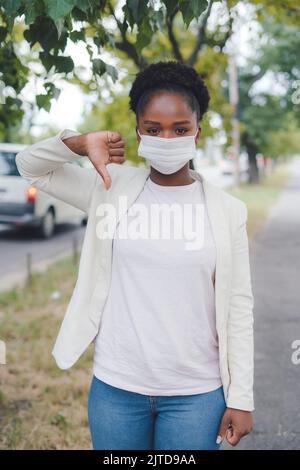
x: 178, y: 131
x: 182, y: 130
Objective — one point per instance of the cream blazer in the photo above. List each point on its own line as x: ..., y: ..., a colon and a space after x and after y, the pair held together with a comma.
x: 46, y: 165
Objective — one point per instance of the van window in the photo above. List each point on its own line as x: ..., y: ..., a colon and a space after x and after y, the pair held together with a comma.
x: 8, y: 165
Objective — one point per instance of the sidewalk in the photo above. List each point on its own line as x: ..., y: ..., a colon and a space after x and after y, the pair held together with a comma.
x: 275, y: 266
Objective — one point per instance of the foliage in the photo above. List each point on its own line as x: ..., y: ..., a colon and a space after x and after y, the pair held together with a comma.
x: 268, y: 114
x: 51, y: 24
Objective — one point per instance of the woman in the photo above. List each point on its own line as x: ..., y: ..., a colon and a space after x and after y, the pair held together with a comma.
x: 171, y: 316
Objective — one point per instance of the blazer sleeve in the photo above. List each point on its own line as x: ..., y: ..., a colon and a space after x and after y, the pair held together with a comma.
x: 47, y: 166
x: 240, y: 321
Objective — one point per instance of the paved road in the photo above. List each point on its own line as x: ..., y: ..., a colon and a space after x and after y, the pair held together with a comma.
x: 275, y: 265
x: 15, y: 244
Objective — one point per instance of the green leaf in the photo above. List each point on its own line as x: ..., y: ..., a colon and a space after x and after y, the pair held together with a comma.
x: 47, y: 60
x: 52, y: 90
x: 187, y: 12
x: 111, y: 39
x: 100, y: 37
x: 99, y: 67
x: 77, y: 35
x: 63, y: 64
x: 138, y: 9
x: 128, y: 18
x: 112, y: 72
x: 59, y: 8
x: 144, y: 36
x: 192, y: 9
x: 198, y: 7
x: 82, y: 5
x: 43, y: 102
x: 3, y: 33
x: 43, y: 31
x: 78, y: 15
x: 11, y: 6
x: 170, y: 5
x: 32, y: 9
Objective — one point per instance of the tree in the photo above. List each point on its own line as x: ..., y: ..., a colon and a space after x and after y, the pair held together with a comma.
x: 50, y: 24
x: 177, y: 28
x: 265, y: 114
x: 134, y: 33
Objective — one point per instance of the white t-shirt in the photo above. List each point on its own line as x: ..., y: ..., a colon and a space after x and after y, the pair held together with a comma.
x: 157, y: 333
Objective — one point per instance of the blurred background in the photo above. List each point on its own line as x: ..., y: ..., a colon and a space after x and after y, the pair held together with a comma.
x: 70, y: 65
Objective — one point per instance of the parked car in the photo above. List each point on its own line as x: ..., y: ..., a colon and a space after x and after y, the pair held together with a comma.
x: 24, y: 205
x: 227, y: 164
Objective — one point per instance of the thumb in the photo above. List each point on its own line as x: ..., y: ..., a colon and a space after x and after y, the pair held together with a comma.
x: 102, y: 170
x: 223, y: 427
x: 113, y: 136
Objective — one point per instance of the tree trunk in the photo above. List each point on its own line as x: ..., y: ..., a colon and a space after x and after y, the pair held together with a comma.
x: 253, y: 168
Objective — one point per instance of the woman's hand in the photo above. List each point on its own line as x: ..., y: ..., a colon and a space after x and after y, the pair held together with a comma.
x: 103, y: 147
x: 234, y: 425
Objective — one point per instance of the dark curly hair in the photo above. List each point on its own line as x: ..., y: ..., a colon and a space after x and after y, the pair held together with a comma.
x: 169, y: 76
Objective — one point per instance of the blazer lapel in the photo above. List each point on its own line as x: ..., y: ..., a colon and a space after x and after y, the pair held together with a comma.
x: 132, y: 192
x: 219, y: 225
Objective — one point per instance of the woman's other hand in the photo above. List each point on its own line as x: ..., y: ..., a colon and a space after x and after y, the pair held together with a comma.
x: 234, y: 425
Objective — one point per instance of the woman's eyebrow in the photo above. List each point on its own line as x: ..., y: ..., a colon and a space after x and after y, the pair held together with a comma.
x: 186, y: 121
x: 147, y: 121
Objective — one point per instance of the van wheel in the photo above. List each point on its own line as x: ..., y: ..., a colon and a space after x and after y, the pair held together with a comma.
x: 47, y: 226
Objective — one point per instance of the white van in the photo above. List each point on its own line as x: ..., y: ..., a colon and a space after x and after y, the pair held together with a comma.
x: 24, y: 205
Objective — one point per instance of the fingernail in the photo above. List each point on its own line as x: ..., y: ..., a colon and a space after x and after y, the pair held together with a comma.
x: 219, y: 440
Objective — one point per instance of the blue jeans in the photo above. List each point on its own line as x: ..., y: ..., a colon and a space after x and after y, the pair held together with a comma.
x: 120, y: 419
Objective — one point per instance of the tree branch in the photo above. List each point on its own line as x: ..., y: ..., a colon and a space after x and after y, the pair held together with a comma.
x: 201, y: 35
x: 227, y: 34
x: 172, y: 37
x: 125, y: 45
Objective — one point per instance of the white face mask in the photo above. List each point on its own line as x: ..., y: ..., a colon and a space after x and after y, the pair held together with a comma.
x: 167, y: 155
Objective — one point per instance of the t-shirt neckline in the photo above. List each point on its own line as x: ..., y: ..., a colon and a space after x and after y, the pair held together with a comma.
x: 182, y: 187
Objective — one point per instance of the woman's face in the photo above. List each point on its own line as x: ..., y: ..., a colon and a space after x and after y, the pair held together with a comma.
x: 168, y: 115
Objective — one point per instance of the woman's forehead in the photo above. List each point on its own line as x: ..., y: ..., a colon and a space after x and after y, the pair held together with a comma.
x: 167, y: 106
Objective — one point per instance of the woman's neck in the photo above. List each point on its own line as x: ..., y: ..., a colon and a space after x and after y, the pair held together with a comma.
x: 179, y: 178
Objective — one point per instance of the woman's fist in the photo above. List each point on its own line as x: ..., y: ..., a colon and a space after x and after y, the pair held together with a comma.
x: 103, y: 147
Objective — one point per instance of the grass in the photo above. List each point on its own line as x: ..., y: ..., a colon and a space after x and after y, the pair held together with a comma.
x: 260, y: 197
x: 42, y: 407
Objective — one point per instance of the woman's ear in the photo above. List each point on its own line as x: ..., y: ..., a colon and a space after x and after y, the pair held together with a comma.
x: 137, y: 134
